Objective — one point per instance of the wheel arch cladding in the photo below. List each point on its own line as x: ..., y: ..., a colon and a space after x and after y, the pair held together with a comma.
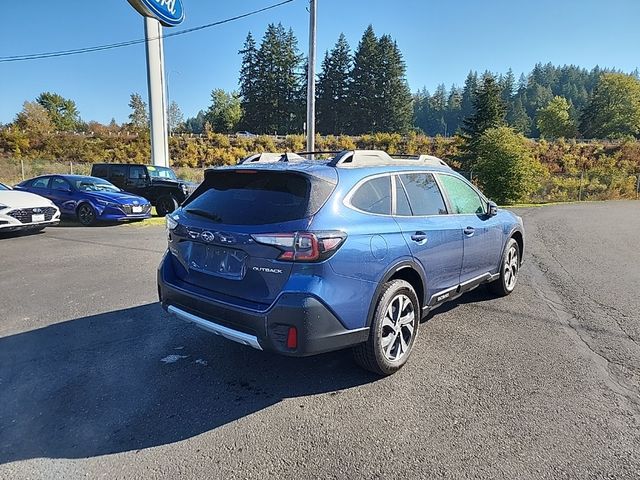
x: 517, y: 236
x: 406, y: 271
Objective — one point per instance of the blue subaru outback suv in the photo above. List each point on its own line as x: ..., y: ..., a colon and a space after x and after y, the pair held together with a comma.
x: 303, y: 257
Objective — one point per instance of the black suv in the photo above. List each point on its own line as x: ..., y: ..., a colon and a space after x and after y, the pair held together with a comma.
x: 159, y: 185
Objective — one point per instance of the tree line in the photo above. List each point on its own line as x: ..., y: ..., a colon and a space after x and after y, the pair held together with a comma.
x: 365, y: 91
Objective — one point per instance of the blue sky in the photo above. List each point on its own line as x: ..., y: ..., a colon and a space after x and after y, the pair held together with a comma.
x: 440, y: 40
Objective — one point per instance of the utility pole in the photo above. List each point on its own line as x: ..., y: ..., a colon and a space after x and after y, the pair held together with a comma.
x: 311, y: 80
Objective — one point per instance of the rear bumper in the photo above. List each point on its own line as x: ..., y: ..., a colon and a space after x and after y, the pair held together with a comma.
x: 318, y: 329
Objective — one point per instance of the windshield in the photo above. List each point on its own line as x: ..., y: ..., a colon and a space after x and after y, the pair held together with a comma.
x: 93, y: 184
x: 161, y: 172
x: 4, y: 187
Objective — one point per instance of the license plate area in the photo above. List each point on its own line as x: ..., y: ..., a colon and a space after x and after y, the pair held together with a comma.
x: 219, y: 261
x: 136, y: 209
x: 37, y: 217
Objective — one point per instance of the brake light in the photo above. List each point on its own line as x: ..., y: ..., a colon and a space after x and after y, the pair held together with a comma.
x: 303, y: 246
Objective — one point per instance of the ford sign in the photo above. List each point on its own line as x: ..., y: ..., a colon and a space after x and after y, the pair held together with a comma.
x: 168, y: 12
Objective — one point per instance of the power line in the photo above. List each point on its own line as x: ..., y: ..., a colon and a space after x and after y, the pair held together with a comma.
x: 98, y: 48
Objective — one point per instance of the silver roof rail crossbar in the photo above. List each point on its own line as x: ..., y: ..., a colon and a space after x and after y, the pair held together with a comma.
x: 361, y: 158
x: 424, y: 160
x: 364, y: 158
x: 271, y: 157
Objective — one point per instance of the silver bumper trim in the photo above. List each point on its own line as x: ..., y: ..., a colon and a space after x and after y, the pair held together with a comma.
x: 228, y: 333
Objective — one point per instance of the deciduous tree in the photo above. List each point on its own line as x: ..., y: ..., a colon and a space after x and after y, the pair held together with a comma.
x: 554, y: 120
x: 614, y: 109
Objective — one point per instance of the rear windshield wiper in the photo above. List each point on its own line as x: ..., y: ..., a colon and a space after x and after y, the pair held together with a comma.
x: 204, y: 213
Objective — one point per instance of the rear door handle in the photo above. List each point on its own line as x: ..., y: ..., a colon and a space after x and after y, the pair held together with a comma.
x: 469, y: 231
x: 419, y: 237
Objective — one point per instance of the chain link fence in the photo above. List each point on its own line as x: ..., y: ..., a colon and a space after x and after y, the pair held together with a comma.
x: 557, y: 187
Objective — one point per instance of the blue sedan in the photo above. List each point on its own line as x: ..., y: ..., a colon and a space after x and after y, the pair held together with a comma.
x: 89, y: 199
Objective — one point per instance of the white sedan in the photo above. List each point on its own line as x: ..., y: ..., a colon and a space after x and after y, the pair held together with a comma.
x: 25, y: 211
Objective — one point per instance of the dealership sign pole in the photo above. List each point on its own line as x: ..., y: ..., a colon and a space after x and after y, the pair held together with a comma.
x: 156, y: 14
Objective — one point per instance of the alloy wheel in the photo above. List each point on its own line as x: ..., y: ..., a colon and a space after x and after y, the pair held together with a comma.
x: 398, y: 327
x: 511, y: 268
x: 86, y: 215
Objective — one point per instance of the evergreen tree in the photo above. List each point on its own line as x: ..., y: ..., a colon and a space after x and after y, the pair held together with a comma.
x: 505, y: 166
x: 278, y: 83
x: 333, y: 101
x: 393, y: 102
x: 195, y: 124
x: 248, y: 88
x: 489, y: 112
x: 468, y: 94
x: 489, y: 109
x: 62, y: 111
x: 517, y: 117
x: 363, y: 92
x: 454, y: 110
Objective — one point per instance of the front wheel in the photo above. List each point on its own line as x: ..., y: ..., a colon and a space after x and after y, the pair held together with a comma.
x: 509, y: 269
x: 166, y: 205
x: 393, y: 330
x: 86, y: 214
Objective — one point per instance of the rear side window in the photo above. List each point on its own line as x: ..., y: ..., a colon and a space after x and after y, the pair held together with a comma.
x: 58, y: 183
x: 40, y: 183
x: 246, y: 197
x: 464, y: 199
x: 100, y: 171
x: 117, y: 172
x: 424, y: 195
x: 374, y: 196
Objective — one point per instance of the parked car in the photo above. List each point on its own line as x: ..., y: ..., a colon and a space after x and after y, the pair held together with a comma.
x: 25, y: 211
x: 89, y: 199
x: 245, y: 134
x: 158, y: 184
x: 302, y: 257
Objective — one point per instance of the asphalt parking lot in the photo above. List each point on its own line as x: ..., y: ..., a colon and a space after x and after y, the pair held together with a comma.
x: 96, y: 381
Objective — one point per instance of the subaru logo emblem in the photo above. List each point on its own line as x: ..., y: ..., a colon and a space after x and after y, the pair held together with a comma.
x: 207, y: 236
x: 135, y: 202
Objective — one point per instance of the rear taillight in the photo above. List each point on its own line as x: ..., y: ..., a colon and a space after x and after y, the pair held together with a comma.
x: 303, y: 246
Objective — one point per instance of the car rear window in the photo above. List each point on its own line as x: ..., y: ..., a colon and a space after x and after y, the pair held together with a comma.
x: 100, y: 170
x: 253, y: 197
x: 374, y: 196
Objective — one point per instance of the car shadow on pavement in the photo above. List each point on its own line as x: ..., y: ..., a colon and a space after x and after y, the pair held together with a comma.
x: 137, y: 378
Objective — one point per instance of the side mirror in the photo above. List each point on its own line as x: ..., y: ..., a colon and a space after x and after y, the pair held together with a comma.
x: 492, y: 209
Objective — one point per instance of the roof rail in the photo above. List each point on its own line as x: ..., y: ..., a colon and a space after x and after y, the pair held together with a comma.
x: 271, y: 157
x: 366, y: 158
x: 424, y: 160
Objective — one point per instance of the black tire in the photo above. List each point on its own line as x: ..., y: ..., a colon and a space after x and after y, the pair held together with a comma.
x: 86, y: 214
x: 373, y: 355
x: 166, y: 205
x: 509, y: 269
